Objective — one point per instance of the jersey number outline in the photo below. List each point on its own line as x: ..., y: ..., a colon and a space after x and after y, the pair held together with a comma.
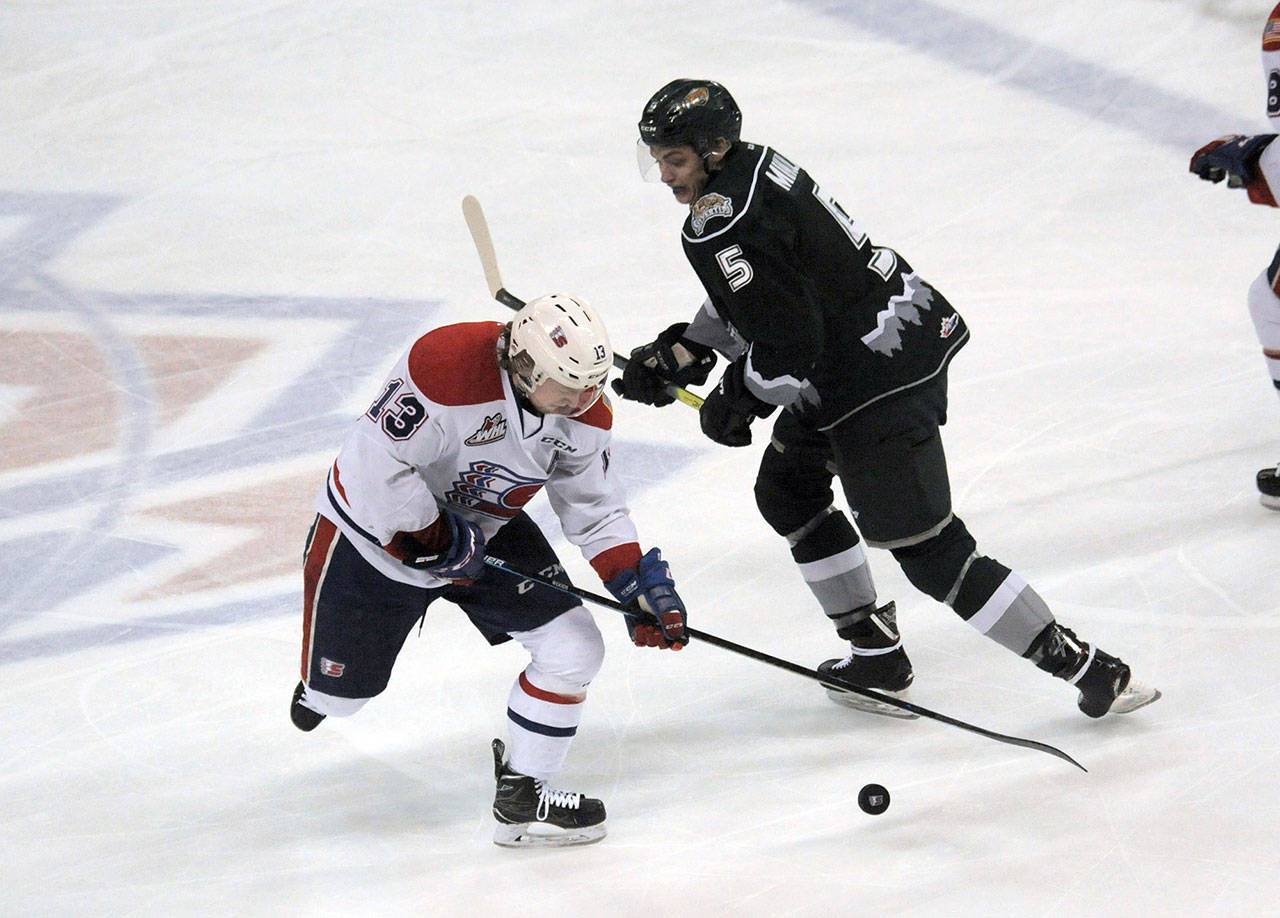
x: 398, y: 423
x: 883, y: 262
x: 737, y: 270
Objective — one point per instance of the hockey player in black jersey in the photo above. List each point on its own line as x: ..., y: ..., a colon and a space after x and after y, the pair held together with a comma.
x: 853, y: 346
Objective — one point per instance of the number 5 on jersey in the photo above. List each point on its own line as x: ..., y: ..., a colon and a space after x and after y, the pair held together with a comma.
x: 737, y: 270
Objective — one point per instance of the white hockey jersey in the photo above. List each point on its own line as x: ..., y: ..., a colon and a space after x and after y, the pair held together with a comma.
x: 1261, y: 190
x: 446, y: 431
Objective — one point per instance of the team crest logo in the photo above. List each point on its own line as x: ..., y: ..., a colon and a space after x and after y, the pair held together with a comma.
x: 949, y: 325
x: 698, y: 96
x: 492, y: 430
x: 493, y: 490
x: 706, y: 207
x: 558, y: 337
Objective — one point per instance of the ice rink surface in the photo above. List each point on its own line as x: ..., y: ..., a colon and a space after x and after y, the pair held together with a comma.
x: 221, y: 223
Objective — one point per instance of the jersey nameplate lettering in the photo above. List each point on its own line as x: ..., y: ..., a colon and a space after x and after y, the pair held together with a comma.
x: 782, y: 171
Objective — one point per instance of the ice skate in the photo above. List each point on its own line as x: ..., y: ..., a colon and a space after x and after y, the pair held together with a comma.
x: 1104, y: 681
x: 876, y: 661
x: 1269, y: 487
x: 532, y: 815
x: 1106, y: 687
x: 302, y: 716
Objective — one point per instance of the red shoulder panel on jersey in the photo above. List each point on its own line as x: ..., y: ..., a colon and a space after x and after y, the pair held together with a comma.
x: 598, y: 415
x: 457, y: 364
x: 1271, y: 32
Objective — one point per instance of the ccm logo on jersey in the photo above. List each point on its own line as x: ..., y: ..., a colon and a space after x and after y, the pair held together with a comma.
x: 560, y: 444
x: 708, y: 206
x: 492, y: 430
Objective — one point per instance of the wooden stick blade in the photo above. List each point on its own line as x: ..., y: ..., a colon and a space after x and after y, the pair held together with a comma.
x: 479, y: 228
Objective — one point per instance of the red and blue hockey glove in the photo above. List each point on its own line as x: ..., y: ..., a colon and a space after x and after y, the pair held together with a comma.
x: 729, y: 409
x: 649, y: 589
x: 462, y: 560
x: 653, y: 367
x: 1233, y: 157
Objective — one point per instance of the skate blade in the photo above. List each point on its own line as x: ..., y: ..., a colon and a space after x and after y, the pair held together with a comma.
x: 1133, y: 697
x: 1270, y: 502
x: 541, y: 835
x: 870, y: 705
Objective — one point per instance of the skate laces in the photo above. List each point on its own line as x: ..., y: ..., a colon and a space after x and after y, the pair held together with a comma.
x: 549, y: 797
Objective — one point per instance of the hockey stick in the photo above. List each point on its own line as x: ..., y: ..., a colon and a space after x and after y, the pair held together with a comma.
x: 823, y: 678
x: 479, y: 227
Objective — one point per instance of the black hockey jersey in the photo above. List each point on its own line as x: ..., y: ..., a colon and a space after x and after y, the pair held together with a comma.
x: 826, y: 319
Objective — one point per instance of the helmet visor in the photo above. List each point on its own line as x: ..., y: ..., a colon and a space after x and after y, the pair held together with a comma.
x: 647, y: 162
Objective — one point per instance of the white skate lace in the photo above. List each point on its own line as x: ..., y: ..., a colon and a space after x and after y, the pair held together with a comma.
x: 548, y: 797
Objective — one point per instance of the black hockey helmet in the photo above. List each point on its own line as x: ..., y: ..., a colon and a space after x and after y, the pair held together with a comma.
x: 694, y: 112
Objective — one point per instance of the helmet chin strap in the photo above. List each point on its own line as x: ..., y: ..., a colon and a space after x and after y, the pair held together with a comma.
x: 522, y: 394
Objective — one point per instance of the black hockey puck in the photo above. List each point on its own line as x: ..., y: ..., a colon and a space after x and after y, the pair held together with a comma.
x: 873, y: 799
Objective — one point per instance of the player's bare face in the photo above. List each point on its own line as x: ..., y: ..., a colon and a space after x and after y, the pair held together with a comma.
x: 682, y: 170
x: 553, y: 398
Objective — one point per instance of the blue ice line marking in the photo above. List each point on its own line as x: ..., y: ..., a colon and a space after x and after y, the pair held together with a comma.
x: 1043, y: 70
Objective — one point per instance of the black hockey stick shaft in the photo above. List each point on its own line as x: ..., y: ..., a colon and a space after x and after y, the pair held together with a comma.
x: 823, y: 678
x: 479, y: 228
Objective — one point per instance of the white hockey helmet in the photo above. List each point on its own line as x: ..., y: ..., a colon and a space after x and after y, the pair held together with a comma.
x: 562, y: 339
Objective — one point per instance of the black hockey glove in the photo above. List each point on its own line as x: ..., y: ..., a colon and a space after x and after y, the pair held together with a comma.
x: 650, y: 591
x: 1233, y: 157
x: 653, y: 367
x: 727, y: 413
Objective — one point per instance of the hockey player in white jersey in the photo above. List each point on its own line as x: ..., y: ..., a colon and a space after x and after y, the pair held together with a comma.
x: 473, y: 421
x: 1253, y: 163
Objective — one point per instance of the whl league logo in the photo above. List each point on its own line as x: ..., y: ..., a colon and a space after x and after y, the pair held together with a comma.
x: 492, y: 430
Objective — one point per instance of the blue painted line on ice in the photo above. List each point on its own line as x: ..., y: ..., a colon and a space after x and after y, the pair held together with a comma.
x: 1041, y: 69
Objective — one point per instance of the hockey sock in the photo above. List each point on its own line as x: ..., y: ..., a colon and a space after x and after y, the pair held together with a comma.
x: 1001, y: 605
x: 834, y: 565
x: 541, y: 725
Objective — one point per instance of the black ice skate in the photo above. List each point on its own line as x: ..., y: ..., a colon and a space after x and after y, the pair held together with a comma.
x: 1105, y: 682
x: 302, y: 716
x: 1269, y: 487
x: 1106, y: 687
x: 531, y: 814
x: 876, y: 661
